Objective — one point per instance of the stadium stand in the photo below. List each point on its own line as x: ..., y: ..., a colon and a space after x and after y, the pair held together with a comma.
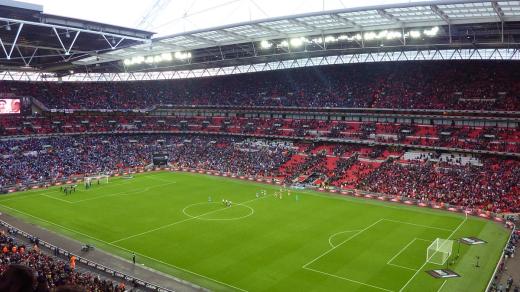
x: 434, y: 177
x: 24, y: 267
x: 440, y: 134
x: 460, y: 137
x: 414, y: 85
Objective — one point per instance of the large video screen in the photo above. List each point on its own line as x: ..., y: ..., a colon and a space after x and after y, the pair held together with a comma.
x: 10, y: 106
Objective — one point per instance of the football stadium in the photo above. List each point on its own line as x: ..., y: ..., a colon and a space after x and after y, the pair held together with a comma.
x: 259, y: 146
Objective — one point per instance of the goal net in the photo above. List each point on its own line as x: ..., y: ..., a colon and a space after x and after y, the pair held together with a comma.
x: 101, y: 178
x: 439, y: 251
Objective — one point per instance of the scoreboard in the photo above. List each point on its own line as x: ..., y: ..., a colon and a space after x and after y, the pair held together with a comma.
x: 160, y: 158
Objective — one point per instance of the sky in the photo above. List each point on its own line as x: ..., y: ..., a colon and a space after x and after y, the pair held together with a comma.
x: 177, y: 16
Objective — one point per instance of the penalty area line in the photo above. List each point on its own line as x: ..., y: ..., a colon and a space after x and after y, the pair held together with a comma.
x: 346, y: 240
x: 402, y: 267
x: 426, y: 262
x: 347, y: 279
x: 337, y: 233
x: 442, y: 286
x: 418, y: 225
x: 401, y: 251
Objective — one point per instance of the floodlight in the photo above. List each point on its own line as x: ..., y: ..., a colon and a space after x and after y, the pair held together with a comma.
x: 297, y: 42
x: 138, y: 60
x: 266, y: 44
x: 382, y: 34
x: 415, y: 34
x: 127, y: 62
x: 182, y: 56
x: 166, y: 56
x: 369, y: 36
x: 149, y: 60
x: 393, y: 35
x: 432, y: 31
x: 317, y: 40
x: 330, y: 39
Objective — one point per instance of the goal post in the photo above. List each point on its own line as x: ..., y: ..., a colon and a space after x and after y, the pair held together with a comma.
x: 439, y: 251
x: 102, y: 178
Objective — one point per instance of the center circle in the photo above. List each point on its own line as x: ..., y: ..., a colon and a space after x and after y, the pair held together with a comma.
x: 215, y: 211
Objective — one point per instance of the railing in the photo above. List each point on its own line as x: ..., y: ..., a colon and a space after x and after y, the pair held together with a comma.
x: 99, y: 267
x: 488, y: 288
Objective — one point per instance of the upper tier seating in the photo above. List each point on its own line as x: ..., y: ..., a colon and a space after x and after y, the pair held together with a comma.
x: 410, y: 85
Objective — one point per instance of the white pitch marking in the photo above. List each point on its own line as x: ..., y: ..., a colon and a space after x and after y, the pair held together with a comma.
x: 347, y: 279
x: 182, y: 221
x: 16, y: 197
x: 252, y: 211
x: 54, y: 198
x: 348, y: 239
x: 341, y: 232
x: 443, y: 283
x: 429, y: 240
x: 403, y: 249
x: 124, y: 249
x: 419, y: 225
x: 124, y: 193
x: 426, y: 262
x: 402, y: 267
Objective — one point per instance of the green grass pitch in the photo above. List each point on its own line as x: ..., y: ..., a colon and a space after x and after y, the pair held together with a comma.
x: 318, y: 242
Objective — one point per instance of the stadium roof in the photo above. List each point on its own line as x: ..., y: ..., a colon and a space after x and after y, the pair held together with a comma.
x: 33, y: 40
x: 446, y: 29
x: 227, y: 44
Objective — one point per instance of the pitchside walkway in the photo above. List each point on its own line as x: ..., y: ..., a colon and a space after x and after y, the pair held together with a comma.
x: 99, y: 256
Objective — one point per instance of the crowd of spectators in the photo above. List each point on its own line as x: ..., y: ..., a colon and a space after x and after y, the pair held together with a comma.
x: 24, y: 267
x: 463, y: 137
x: 491, y: 187
x: 411, y: 85
x: 45, y: 159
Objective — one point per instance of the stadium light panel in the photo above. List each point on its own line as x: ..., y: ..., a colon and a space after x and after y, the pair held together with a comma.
x: 432, y: 31
x: 330, y: 39
x: 368, y: 36
x: 166, y: 56
x: 182, y: 55
x: 297, y: 42
x: 149, y: 60
x: 393, y: 35
x: 127, y: 62
x: 266, y: 44
x: 284, y: 44
x: 382, y: 34
x: 415, y: 34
